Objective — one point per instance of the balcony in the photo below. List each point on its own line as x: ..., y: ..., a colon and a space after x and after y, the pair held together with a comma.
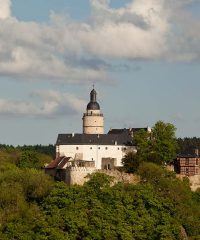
x: 93, y: 114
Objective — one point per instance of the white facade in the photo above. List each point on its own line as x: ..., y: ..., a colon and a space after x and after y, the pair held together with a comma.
x: 95, y: 152
x: 104, y: 149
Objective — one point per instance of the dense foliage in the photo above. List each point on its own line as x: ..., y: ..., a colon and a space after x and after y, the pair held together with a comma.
x: 33, y: 206
x: 158, y: 146
x: 44, y: 149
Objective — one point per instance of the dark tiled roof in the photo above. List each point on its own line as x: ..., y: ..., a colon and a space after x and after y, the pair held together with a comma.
x: 188, y: 156
x: 130, y: 130
x: 123, y: 138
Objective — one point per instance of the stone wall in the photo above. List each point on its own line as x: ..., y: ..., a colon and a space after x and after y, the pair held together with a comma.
x: 78, y: 175
x: 121, y: 176
x: 194, y: 181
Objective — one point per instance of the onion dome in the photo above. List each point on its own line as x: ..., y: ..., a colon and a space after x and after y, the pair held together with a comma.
x: 93, y: 104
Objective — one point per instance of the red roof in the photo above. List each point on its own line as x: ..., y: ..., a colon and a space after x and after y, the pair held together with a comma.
x: 59, y: 162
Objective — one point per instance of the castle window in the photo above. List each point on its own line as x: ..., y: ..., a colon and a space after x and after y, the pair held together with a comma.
x: 106, y: 148
x: 118, y: 148
x: 77, y: 148
x: 99, y: 148
x: 90, y: 147
x: 197, y: 162
x: 187, y: 161
x: 187, y: 171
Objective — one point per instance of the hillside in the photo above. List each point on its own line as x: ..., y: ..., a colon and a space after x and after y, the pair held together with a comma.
x: 33, y: 206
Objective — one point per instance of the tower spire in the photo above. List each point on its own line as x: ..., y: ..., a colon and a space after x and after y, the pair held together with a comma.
x: 93, y: 96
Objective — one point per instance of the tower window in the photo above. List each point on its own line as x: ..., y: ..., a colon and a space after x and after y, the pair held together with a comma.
x: 106, y: 148
x: 77, y: 148
x: 90, y: 147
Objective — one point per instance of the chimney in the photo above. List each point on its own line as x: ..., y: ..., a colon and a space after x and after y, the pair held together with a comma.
x: 196, y: 151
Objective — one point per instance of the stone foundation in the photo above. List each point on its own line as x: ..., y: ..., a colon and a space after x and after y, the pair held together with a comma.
x: 194, y: 181
x: 78, y: 175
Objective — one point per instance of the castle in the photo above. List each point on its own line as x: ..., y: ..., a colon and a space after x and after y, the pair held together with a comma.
x: 79, y: 154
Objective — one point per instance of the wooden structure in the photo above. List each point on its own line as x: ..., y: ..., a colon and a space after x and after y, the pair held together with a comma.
x: 188, y: 165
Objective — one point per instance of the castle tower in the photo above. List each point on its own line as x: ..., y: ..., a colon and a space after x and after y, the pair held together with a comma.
x: 93, y: 120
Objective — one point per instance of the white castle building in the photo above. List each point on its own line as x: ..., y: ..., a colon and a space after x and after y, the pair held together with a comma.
x: 79, y: 154
x: 105, y: 150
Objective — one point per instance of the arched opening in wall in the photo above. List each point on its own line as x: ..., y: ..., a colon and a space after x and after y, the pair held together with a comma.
x: 107, y: 166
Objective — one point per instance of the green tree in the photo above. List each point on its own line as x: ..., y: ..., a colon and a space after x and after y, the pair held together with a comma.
x: 131, y: 162
x: 32, y: 159
x: 163, y: 141
x: 158, y: 146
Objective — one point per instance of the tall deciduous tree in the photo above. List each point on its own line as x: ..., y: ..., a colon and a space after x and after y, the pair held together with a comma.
x: 163, y: 141
x: 158, y: 146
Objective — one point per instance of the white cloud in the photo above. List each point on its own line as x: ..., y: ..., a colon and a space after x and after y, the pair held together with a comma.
x: 146, y: 29
x: 51, y: 104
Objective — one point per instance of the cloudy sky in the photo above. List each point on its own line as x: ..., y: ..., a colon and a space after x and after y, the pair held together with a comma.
x: 142, y: 55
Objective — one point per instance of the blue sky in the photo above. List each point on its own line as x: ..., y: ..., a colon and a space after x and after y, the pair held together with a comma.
x: 142, y: 55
